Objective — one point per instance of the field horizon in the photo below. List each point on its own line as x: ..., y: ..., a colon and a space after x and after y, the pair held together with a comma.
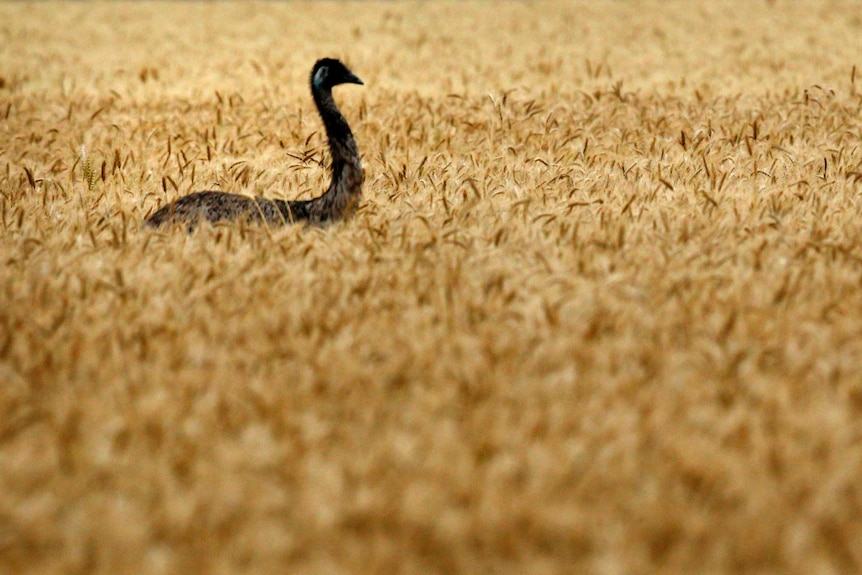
x: 599, y: 310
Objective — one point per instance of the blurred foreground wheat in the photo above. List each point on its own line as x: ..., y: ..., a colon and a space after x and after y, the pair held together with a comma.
x: 600, y: 311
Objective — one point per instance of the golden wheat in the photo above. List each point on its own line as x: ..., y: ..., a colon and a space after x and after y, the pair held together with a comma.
x: 599, y: 312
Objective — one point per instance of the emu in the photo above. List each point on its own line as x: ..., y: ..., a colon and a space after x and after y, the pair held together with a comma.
x: 338, y: 202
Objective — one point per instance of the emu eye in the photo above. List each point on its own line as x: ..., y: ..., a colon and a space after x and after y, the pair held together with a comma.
x: 321, y: 75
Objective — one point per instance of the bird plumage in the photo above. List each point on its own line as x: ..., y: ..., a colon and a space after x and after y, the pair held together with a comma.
x: 339, y: 201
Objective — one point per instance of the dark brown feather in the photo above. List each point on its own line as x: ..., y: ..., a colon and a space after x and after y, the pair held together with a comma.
x: 338, y: 202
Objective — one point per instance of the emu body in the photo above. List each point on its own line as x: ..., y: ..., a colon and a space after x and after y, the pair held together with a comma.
x: 338, y: 202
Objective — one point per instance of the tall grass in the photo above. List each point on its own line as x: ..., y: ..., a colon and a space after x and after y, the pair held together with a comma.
x: 599, y: 311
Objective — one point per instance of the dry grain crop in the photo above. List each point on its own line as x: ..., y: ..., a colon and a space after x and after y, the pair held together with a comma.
x: 600, y: 311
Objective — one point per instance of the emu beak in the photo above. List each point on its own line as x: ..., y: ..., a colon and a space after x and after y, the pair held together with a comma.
x: 352, y: 78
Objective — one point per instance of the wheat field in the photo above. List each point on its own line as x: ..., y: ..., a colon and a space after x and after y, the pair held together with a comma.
x: 600, y: 310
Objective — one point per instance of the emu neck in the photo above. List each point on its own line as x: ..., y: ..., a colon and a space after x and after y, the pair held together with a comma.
x: 345, y: 189
x: 336, y: 126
